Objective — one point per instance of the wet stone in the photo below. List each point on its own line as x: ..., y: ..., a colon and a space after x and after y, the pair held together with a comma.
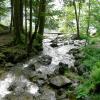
x: 54, y: 45
x: 9, y: 65
x: 45, y: 60
x: 22, y: 96
x: 60, y: 81
x: 30, y: 67
x: 12, y: 87
x: 62, y: 67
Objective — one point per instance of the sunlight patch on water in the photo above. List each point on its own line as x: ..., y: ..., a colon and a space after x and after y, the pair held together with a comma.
x: 33, y: 89
x: 4, y: 84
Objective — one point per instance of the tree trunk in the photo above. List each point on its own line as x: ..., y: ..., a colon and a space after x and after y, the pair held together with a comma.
x: 88, y: 23
x: 26, y: 22
x: 11, y: 23
x: 17, y: 30
x: 42, y: 10
x: 30, y: 30
x: 21, y: 16
x: 77, y: 19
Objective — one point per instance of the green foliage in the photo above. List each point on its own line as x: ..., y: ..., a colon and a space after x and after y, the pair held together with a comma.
x: 95, y: 97
x: 95, y: 74
x: 92, y: 56
x: 83, y: 89
x: 3, y: 9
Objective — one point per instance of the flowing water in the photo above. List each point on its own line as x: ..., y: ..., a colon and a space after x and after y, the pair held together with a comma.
x: 16, y: 76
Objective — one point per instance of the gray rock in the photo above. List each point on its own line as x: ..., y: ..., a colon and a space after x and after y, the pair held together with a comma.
x: 47, y: 94
x: 77, y: 63
x: 62, y: 67
x: 40, y: 82
x: 9, y: 65
x: 30, y: 67
x: 74, y: 51
x: 60, y: 81
x: 45, y: 60
x: 22, y: 96
x: 71, y: 42
x: 12, y: 87
x: 54, y: 45
x: 79, y: 56
x: 81, y: 69
x: 74, y: 37
x: 66, y: 43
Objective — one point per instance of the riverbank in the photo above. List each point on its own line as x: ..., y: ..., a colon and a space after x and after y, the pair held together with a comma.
x: 56, y: 73
x: 45, y: 73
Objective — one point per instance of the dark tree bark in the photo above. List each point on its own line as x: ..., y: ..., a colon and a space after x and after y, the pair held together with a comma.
x: 11, y: 23
x: 26, y: 22
x: 21, y: 16
x: 39, y: 25
x: 42, y: 10
x: 30, y: 30
x: 17, y: 21
x: 77, y: 19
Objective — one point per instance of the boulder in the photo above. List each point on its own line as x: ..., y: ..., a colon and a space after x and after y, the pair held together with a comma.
x: 45, y: 60
x: 9, y: 65
x: 60, y: 81
x: 40, y: 82
x: 81, y: 69
x: 77, y: 63
x: 19, y: 57
x: 2, y: 57
x: 79, y: 56
x: 31, y: 67
x: 71, y: 42
x: 54, y: 45
x: 74, y: 37
x: 22, y: 96
x: 12, y: 87
x: 66, y: 43
x: 46, y: 94
x: 74, y: 51
x: 62, y: 67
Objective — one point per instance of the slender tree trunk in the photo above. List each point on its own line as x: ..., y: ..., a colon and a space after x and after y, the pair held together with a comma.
x: 29, y: 49
x: 26, y: 22
x: 88, y: 23
x: 21, y: 16
x: 30, y: 30
x: 11, y: 23
x: 39, y: 25
x: 77, y: 20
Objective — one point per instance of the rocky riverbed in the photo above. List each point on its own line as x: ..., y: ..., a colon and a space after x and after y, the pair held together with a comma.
x: 43, y: 76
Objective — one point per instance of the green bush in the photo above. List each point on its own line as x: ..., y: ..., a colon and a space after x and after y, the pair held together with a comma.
x: 83, y: 89
x: 95, y: 97
x: 92, y: 56
x: 95, y: 74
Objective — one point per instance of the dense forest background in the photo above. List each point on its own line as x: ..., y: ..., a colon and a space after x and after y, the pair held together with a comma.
x: 23, y: 24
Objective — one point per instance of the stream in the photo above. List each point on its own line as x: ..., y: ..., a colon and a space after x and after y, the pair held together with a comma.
x: 24, y: 83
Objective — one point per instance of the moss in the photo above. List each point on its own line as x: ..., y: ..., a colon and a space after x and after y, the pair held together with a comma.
x: 95, y: 97
x: 14, y: 54
x: 74, y: 76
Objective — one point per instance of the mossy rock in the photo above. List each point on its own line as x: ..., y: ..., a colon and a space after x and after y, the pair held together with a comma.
x: 2, y: 58
x: 14, y: 55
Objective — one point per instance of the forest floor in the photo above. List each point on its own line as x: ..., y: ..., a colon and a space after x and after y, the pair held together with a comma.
x: 5, y: 39
x: 5, y: 36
